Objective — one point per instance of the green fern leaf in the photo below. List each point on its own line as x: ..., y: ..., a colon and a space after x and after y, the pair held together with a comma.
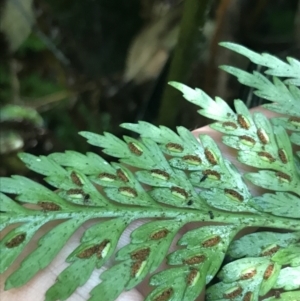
x: 289, y: 278
x: 48, y: 248
x: 170, y: 180
x: 276, y: 67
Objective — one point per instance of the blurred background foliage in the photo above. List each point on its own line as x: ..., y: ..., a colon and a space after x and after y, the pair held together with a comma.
x: 73, y: 65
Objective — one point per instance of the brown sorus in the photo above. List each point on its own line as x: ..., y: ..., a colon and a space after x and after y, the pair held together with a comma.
x: 229, y: 124
x: 174, y: 147
x: 160, y: 174
x: 294, y: 120
x: 135, y: 267
x: 128, y: 191
x: 233, y: 293
x: 16, y: 241
x: 195, y: 259
x: 105, y: 176
x: 211, y: 241
x: 165, y: 295
x: 270, y: 250
x: 87, y: 253
x: 234, y: 194
x: 75, y: 179
x: 49, y: 206
x: 121, y: 175
x: 282, y: 156
x: 247, y: 139
x: 248, y: 274
x: 268, y: 272
x: 263, y: 137
x: 247, y: 296
x: 212, y: 173
x: 267, y: 156
x: 101, y: 247
x: 283, y: 176
x: 135, y: 149
x: 180, y: 191
x: 192, y: 159
x: 159, y: 234
x: 75, y: 191
x: 191, y: 276
x: 95, y: 249
x: 210, y: 157
x: 141, y: 254
x: 243, y: 122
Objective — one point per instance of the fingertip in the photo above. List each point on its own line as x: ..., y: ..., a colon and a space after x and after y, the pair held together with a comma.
x: 132, y: 295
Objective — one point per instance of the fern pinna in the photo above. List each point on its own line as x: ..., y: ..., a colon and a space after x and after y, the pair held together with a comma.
x: 172, y: 179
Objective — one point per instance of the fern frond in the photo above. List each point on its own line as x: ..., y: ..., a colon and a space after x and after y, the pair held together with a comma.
x: 286, y: 98
x: 170, y: 179
x: 259, y: 143
x: 204, y: 251
x: 261, y: 269
x: 276, y: 67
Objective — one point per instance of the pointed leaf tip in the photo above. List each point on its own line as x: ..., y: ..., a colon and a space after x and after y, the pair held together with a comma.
x: 177, y: 85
